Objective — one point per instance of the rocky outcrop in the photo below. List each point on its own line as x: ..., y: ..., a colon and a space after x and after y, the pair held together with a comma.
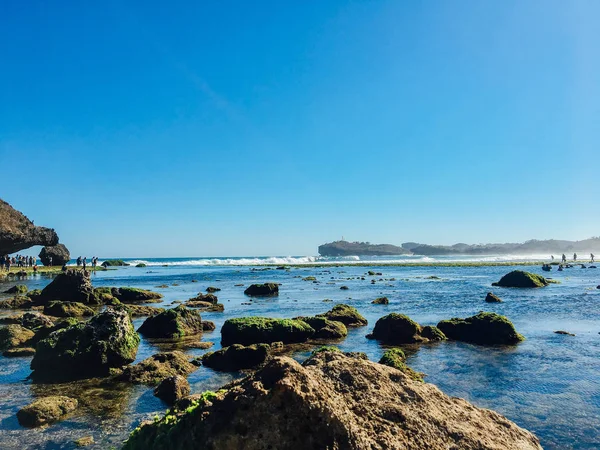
x: 522, y: 279
x: 325, y: 328
x: 17, y: 232
x: 484, y: 328
x: 172, y: 389
x: 87, y: 349
x: 18, y: 289
x: 172, y: 324
x: 46, y: 410
x: 237, y: 357
x: 135, y: 295
x: 59, y: 253
x: 381, y: 301
x: 396, y: 329
x: 332, y: 401
x: 114, y: 263
x: 143, y: 311
x: 491, y: 298
x: 154, y: 369
x: 396, y: 358
x: 14, y: 335
x: 257, y: 330
x: 68, y: 309
x: 70, y: 286
x: 348, y: 315
x: 345, y: 248
x: 262, y: 290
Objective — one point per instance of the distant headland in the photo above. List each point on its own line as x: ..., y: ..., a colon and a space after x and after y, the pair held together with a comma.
x: 531, y: 247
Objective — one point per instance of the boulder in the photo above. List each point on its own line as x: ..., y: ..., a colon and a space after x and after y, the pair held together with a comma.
x: 237, y: 357
x: 257, y: 330
x: 212, y: 289
x: 172, y: 389
x: 381, y: 301
x: 172, y: 324
x: 432, y: 333
x: 325, y: 328
x: 205, y: 306
x: 70, y: 286
x: 68, y: 309
x: 17, y: 232
x: 35, y: 321
x: 491, y: 298
x: 59, y: 253
x: 522, y: 279
x: 397, y: 329
x: 262, y: 290
x: 46, y: 410
x: 140, y: 265
x: 484, y: 328
x: 207, y: 325
x: 154, y: 369
x: 18, y: 302
x: 143, y: 311
x: 87, y: 349
x: 207, y: 298
x: 135, y: 295
x: 12, y: 336
x: 114, y: 263
x: 18, y: 289
x: 348, y: 315
x: 332, y: 401
x: 396, y: 358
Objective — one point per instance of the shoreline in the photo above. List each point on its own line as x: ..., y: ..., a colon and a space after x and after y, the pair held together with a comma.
x: 47, y: 270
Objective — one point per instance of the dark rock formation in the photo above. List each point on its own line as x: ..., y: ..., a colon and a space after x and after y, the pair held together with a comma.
x: 12, y: 336
x: 143, y: 311
x: 172, y: 324
x: 484, y: 328
x: 68, y: 309
x: 70, y: 286
x: 325, y: 328
x: 396, y: 329
x: 207, y: 325
x: 237, y: 357
x: 46, y: 410
x: 135, y: 295
x: 114, y: 263
x: 158, y: 367
x: 333, y: 401
x: 18, y: 289
x: 17, y: 232
x: 172, y: 389
x: 381, y: 301
x: 522, y: 279
x: 262, y: 290
x: 491, y: 298
x: 87, y: 349
x: 348, y: 315
x: 212, y: 289
x: 59, y: 253
x: 432, y: 333
x: 345, y: 248
x: 396, y: 358
x: 257, y: 330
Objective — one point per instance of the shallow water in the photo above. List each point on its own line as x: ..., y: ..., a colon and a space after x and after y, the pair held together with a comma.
x: 549, y: 384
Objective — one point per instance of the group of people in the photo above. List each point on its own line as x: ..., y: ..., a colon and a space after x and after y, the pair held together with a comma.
x: 7, y: 261
x: 564, y: 257
x: 83, y: 261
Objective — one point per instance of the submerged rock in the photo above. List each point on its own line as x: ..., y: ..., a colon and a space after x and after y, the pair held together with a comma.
x: 172, y: 324
x: 566, y: 333
x: 484, y: 328
x: 46, y: 410
x: 262, y: 290
x: 154, y: 369
x: 237, y: 357
x: 257, y: 330
x: 87, y: 349
x: 348, y: 315
x: 333, y: 401
x: 172, y: 389
x: 68, y: 309
x: 59, y: 253
x: 491, y: 298
x: 522, y: 279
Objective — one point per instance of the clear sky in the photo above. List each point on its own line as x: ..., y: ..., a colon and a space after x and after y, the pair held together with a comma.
x: 204, y: 128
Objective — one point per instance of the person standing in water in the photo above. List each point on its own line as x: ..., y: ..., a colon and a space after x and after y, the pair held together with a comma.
x: 84, y: 262
x: 574, y: 256
x: 564, y: 258
x: 592, y: 257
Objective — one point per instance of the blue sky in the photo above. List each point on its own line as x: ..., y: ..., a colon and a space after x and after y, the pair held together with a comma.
x: 267, y: 128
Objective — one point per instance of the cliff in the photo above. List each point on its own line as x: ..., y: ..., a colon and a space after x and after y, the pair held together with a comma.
x: 345, y: 248
x: 17, y: 232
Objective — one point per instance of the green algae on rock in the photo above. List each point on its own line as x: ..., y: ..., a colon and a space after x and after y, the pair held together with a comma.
x: 396, y: 358
x: 172, y: 323
x: 68, y: 309
x: 157, y: 367
x: 491, y: 298
x: 172, y: 389
x: 432, y: 333
x: 257, y: 330
x: 87, y: 349
x: 46, y: 410
x: 381, y: 301
x: 522, y: 279
x: 485, y: 328
x: 325, y: 328
x: 18, y: 289
x: 237, y: 357
x: 348, y: 315
x: 14, y: 335
x: 397, y: 329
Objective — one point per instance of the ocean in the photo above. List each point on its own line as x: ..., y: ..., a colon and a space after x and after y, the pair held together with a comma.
x: 549, y: 384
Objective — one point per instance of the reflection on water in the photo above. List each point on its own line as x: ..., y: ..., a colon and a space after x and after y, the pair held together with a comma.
x: 549, y: 384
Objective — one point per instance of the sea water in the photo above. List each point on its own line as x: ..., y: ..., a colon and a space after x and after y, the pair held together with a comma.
x: 549, y: 384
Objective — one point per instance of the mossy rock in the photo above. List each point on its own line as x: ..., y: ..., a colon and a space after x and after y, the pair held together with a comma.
x: 432, y: 333
x: 19, y: 352
x: 491, y: 298
x: 70, y: 286
x: 256, y: 330
x: 207, y: 325
x: 46, y: 410
x: 18, y: 289
x: 140, y: 265
x: 484, y: 328
x: 309, y: 278
x: 114, y: 263
x: 44, y: 332
x: 262, y: 290
x: 205, y: 306
x: 397, y: 329
x: 154, y: 369
x: 348, y: 315
x: 68, y: 309
x: 396, y: 358
x: 12, y: 336
x: 17, y: 302
x: 172, y: 324
x: 381, y: 301
x: 143, y: 311
x: 172, y: 389
x: 325, y: 328
x: 87, y: 349
x: 522, y: 279
x: 212, y: 289
x: 325, y: 348
x: 237, y: 357
x: 135, y: 295
x: 35, y: 321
